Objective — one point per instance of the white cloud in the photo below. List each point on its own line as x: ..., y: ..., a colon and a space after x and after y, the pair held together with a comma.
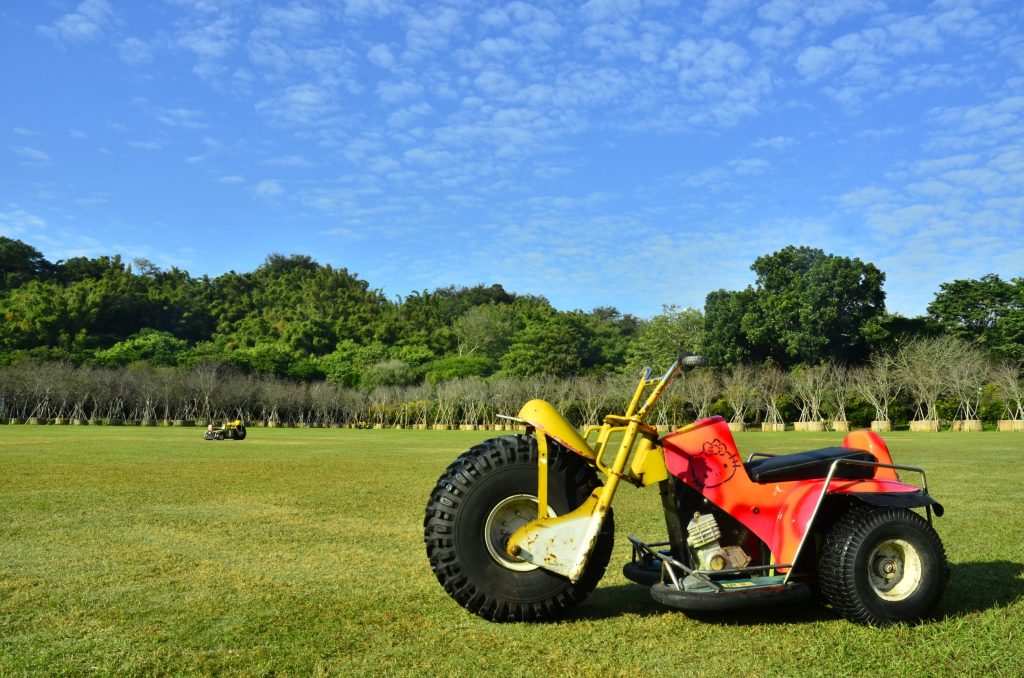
x: 406, y: 117
x: 382, y: 164
x: 714, y: 178
x: 210, y: 41
x: 268, y: 188
x: 393, y: 92
x: 381, y: 56
x: 267, y: 53
x: 93, y: 200
x: 85, y: 24
x: 816, y: 62
x: 749, y: 166
x: 287, y: 161
x: 496, y: 83
x: 780, y: 11
x: 428, y: 33
x: 604, y: 10
x: 299, y: 105
x: 368, y: 8
x: 180, y: 117
x: 778, y: 143
x: 231, y: 180
x: 868, y: 196
x: 145, y: 145
x: 135, y: 52
x: 296, y: 16
x: 424, y: 156
x: 31, y: 157
x: 830, y: 12
x: 18, y: 223
x: 945, y: 164
x: 721, y: 77
x: 717, y: 11
x: 777, y: 37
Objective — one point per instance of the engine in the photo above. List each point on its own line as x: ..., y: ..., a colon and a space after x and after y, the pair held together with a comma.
x: 703, y: 535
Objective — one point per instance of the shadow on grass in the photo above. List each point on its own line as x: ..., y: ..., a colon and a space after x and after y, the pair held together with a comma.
x: 973, y: 587
x: 616, y: 601
x: 976, y: 587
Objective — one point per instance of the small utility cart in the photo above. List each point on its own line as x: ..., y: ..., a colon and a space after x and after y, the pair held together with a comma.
x: 230, y: 430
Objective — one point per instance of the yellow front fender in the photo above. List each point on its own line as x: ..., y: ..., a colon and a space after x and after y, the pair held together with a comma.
x: 546, y: 419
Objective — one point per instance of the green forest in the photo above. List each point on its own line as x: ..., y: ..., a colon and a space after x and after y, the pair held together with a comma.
x: 300, y: 322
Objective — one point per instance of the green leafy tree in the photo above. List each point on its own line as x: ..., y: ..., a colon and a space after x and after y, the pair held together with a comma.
x: 887, y: 332
x: 347, y: 364
x: 556, y: 345
x: 611, y: 333
x: 988, y: 312
x: 148, y: 345
x: 725, y: 315
x: 391, y: 372
x: 459, y: 367
x: 813, y: 305
x: 665, y: 336
x: 806, y: 306
x: 265, y: 358
x: 40, y: 314
x: 294, y: 300
x: 204, y: 352
x: 21, y: 263
x: 484, y: 330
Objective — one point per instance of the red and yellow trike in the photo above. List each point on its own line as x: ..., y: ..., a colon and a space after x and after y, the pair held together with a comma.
x: 520, y: 527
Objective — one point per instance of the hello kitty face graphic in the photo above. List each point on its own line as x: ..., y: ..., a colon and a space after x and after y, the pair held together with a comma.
x: 716, y: 465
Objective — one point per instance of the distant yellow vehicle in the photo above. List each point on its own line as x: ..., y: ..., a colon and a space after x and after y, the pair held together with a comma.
x: 235, y: 430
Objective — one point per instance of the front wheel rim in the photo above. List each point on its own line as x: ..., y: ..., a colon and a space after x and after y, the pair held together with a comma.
x: 895, y: 569
x: 507, y: 516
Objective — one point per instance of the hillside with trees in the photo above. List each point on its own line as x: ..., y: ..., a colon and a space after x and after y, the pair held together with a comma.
x: 145, y: 343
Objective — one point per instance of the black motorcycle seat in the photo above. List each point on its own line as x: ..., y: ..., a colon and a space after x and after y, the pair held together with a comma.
x: 808, y: 465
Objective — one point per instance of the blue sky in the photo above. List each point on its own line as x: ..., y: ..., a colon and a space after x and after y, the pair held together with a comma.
x: 630, y: 153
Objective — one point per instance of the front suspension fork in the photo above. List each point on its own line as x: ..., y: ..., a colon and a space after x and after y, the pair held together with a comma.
x: 564, y: 544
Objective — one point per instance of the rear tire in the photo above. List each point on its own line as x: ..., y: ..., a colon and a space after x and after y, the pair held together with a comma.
x: 883, y: 566
x: 486, y: 494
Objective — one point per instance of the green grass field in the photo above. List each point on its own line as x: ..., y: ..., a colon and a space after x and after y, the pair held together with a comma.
x: 297, y: 552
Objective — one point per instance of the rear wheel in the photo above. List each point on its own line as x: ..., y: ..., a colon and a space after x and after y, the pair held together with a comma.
x: 487, y: 494
x: 882, y: 566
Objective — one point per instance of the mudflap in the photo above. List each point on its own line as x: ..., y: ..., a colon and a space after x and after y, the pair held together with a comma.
x: 733, y: 595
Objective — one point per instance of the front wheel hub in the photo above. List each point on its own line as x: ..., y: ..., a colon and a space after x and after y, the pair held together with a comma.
x: 505, y: 518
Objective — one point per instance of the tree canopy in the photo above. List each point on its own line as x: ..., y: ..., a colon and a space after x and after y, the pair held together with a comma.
x: 295, y: 318
x: 988, y: 312
x: 805, y: 307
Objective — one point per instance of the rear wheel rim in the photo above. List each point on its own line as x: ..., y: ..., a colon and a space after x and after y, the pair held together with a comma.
x: 895, y: 569
x: 507, y: 516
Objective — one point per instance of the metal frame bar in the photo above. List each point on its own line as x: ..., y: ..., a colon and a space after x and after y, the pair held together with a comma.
x: 824, y: 491
x: 668, y: 563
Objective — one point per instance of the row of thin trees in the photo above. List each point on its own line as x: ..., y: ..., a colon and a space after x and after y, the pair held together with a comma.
x: 922, y: 373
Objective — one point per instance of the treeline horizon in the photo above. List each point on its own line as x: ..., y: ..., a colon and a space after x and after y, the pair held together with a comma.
x: 294, y: 318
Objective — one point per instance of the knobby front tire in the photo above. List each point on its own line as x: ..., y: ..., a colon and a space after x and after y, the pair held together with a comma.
x: 479, y: 501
